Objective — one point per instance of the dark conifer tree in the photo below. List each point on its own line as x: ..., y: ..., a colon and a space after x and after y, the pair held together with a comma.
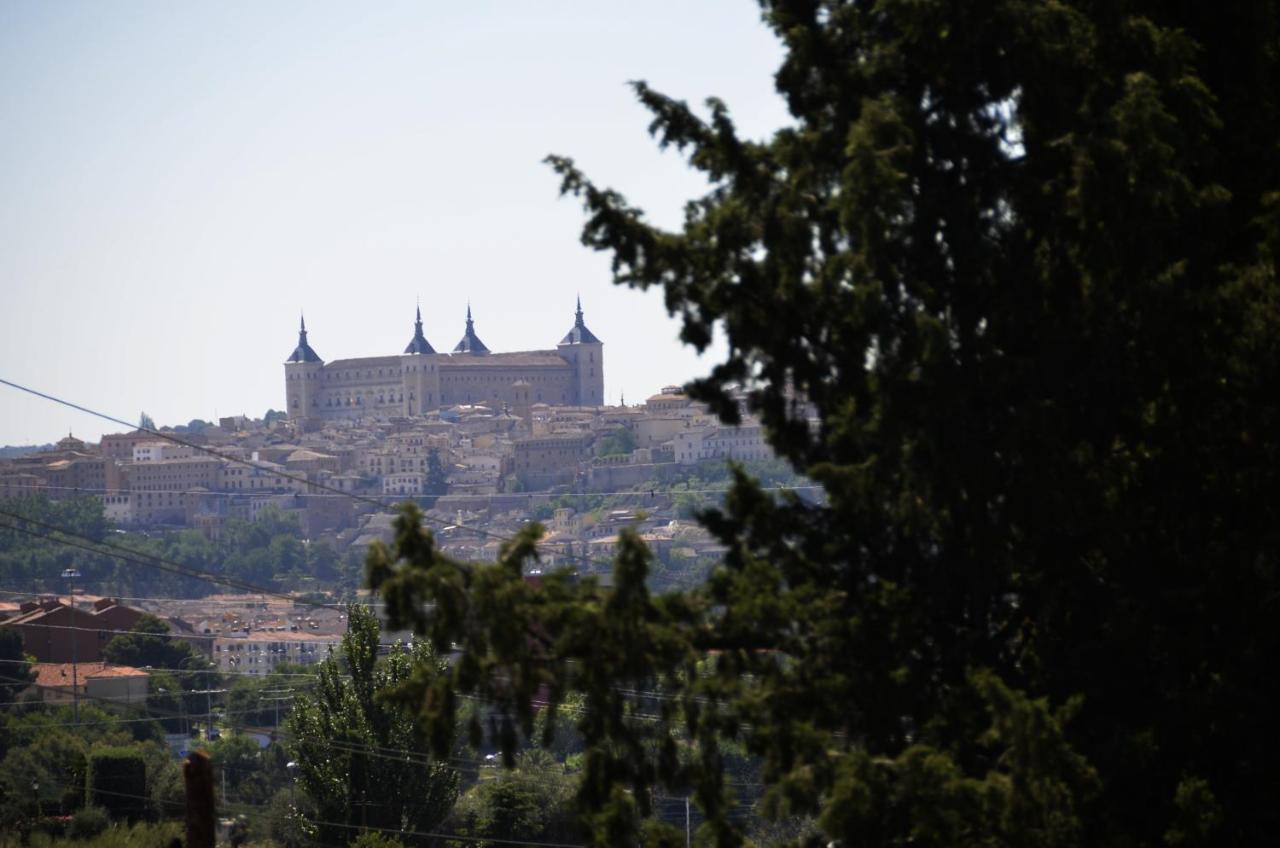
x: 1006, y: 287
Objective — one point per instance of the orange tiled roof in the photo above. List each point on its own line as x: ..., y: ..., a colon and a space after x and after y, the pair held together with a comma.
x: 54, y: 675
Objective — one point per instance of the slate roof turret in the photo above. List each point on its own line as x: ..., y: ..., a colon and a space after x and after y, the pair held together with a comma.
x: 303, y: 352
x: 470, y: 341
x: 419, y: 343
x: 579, y: 334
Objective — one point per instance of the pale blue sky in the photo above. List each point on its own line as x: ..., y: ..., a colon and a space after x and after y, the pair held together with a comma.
x: 177, y: 180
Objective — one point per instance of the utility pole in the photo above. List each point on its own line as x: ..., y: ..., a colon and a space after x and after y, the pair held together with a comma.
x: 70, y: 574
x: 208, y: 693
x: 278, y: 695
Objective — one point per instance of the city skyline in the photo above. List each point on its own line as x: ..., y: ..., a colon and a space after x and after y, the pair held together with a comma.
x: 186, y: 181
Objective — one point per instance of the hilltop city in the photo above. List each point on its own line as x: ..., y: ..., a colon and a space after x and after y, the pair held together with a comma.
x: 483, y: 442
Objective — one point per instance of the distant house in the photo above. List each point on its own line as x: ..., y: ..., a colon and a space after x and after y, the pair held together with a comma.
x: 48, y: 627
x: 95, y: 681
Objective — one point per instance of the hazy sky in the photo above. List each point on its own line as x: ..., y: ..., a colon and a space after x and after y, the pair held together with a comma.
x: 178, y: 180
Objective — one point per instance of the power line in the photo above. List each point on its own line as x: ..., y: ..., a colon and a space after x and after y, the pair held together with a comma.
x: 168, y: 565
x: 245, y: 462
x: 367, y: 749
x: 644, y: 493
x: 325, y: 638
x: 151, y: 560
x: 206, y: 601
x: 473, y: 839
x: 159, y: 434
x: 171, y: 635
x: 157, y: 714
x: 212, y: 670
x: 283, y: 474
x: 174, y: 566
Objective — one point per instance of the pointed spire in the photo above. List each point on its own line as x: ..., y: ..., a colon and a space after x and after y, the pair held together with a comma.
x: 303, y: 352
x: 470, y: 341
x: 419, y: 343
x: 579, y: 334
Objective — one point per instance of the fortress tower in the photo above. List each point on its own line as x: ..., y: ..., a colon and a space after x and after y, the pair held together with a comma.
x: 420, y: 373
x: 585, y: 352
x: 302, y: 374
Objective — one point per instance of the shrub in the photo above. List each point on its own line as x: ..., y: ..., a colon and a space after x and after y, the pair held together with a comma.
x: 117, y: 780
x: 88, y: 823
x: 375, y: 840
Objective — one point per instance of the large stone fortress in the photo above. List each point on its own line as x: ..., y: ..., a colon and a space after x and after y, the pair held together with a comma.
x: 421, y: 380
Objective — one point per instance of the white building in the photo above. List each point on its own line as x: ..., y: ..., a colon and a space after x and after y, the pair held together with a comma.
x: 407, y: 484
x: 743, y: 442
x: 260, y: 651
x: 158, y: 451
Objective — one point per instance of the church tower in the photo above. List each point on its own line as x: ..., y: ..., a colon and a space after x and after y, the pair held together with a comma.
x: 302, y: 377
x: 585, y: 353
x: 420, y: 373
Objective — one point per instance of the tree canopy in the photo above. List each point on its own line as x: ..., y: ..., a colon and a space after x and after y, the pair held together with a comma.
x: 149, y: 644
x: 343, y: 731
x: 16, y: 673
x: 1005, y: 287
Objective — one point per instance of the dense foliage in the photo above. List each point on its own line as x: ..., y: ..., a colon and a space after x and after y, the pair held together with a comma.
x: 267, y: 552
x: 117, y: 782
x: 16, y: 672
x: 617, y: 443
x: 437, y: 480
x: 361, y: 760
x: 1019, y: 261
x: 533, y: 801
x: 45, y: 760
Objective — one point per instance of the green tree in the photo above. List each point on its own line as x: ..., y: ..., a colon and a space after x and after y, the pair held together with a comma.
x: 1006, y: 288
x: 375, y: 840
x: 252, y: 773
x: 323, y: 562
x: 437, y: 482
x: 164, y: 699
x: 117, y: 782
x: 260, y: 701
x: 148, y: 644
x: 533, y: 801
x: 619, y: 442
x: 42, y: 746
x: 16, y: 673
x: 360, y: 759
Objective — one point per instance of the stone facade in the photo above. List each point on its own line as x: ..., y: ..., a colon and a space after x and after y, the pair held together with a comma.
x: 552, y: 460
x: 420, y: 380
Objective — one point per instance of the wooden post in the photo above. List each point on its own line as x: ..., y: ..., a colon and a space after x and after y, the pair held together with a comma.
x: 197, y: 774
